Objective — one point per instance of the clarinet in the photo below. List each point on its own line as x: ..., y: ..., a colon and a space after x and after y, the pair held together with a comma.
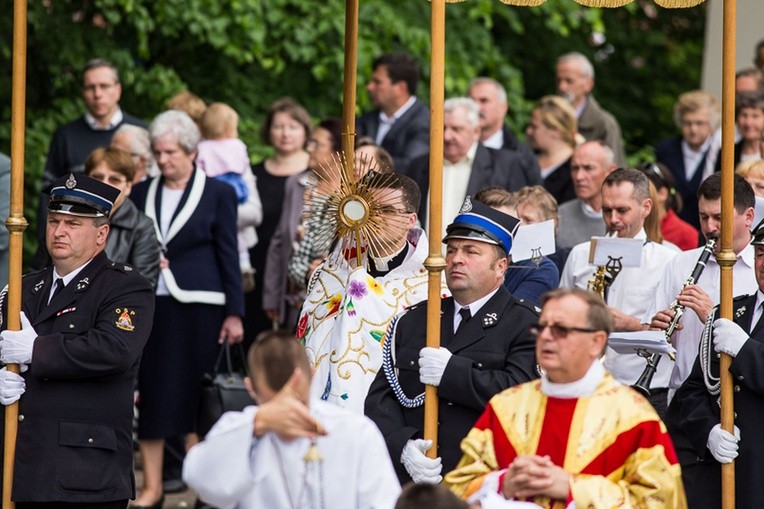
x: 642, y: 385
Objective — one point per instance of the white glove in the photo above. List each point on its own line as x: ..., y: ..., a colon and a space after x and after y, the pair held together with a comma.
x: 421, y: 468
x: 432, y: 364
x: 722, y: 444
x: 16, y: 346
x: 12, y: 386
x: 728, y: 337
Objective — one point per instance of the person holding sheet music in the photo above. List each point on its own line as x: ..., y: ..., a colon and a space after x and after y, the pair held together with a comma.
x: 625, y: 205
x: 700, y: 298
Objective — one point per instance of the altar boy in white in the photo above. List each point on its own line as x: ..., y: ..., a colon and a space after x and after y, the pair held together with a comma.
x: 290, y: 451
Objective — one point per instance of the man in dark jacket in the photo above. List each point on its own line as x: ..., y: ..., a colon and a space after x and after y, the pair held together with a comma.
x: 694, y: 410
x: 85, y: 321
x: 468, y: 166
x: 491, y: 98
x: 486, y: 347
x: 400, y: 123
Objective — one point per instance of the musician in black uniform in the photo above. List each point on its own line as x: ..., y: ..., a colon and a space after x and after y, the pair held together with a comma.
x: 79, y: 349
x: 695, y: 411
x: 486, y: 347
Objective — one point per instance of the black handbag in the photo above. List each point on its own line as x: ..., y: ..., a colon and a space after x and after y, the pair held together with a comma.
x: 222, y: 391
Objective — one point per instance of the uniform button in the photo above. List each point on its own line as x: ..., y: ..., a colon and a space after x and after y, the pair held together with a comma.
x: 737, y: 388
x: 480, y: 364
x: 741, y: 377
x: 71, y: 325
x: 90, y: 440
x: 411, y: 363
x: 450, y: 404
x: 21, y: 417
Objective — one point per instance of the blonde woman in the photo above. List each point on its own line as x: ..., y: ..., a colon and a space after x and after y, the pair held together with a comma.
x: 552, y: 135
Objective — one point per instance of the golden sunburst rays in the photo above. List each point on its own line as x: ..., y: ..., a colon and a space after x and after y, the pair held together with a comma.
x: 363, y: 208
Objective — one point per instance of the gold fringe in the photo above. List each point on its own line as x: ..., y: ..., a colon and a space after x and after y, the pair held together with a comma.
x: 604, y: 3
x: 523, y: 3
x: 678, y: 4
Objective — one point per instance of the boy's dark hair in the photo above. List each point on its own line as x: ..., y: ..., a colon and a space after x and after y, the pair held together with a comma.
x: 417, y: 496
x: 276, y: 354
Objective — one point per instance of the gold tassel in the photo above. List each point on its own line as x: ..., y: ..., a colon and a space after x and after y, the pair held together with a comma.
x: 678, y: 4
x: 313, y: 453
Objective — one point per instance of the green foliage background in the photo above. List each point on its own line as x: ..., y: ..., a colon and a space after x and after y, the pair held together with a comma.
x: 250, y: 52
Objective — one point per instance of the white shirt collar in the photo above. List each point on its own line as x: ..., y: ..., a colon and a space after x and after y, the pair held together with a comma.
x: 382, y: 263
x: 581, y: 388
x: 468, y: 158
x: 114, y: 121
x: 73, y: 274
x: 496, y: 140
x: 687, y: 150
x: 474, y: 306
x: 399, y: 113
x: 589, y: 211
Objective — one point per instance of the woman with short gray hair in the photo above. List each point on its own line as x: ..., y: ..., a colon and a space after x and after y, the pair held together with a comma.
x: 199, y: 294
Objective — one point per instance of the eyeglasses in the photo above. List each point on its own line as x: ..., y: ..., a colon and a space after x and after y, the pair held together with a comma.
x: 558, y: 331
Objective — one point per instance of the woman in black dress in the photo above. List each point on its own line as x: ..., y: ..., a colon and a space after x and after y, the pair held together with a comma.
x: 287, y: 129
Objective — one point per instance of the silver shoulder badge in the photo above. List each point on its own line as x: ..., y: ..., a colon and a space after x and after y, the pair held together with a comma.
x: 71, y: 182
x: 490, y: 319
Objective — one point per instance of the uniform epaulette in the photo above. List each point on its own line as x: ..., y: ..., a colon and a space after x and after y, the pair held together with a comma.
x: 33, y: 273
x: 122, y: 267
x: 414, y: 306
x: 530, y: 305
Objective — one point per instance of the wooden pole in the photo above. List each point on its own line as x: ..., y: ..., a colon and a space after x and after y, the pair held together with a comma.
x: 726, y: 257
x: 348, y: 95
x: 348, y: 100
x: 435, y: 262
x: 16, y: 224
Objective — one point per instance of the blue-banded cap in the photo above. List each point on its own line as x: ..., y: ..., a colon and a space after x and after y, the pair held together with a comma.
x: 483, y: 223
x: 80, y: 195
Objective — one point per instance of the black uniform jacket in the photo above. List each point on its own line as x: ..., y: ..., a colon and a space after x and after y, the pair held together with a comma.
x: 693, y: 412
x: 494, y: 350
x: 75, y: 418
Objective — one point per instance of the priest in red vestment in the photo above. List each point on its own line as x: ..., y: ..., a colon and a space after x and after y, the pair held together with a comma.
x: 576, y: 438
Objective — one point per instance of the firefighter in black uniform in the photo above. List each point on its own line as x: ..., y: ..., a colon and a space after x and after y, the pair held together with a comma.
x: 85, y: 321
x: 485, y: 347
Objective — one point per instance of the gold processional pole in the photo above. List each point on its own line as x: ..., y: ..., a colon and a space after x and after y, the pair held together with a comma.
x: 435, y: 262
x: 16, y: 224
x: 348, y: 99
x: 726, y: 257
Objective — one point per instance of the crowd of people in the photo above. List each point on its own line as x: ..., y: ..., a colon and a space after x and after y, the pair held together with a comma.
x: 160, y: 242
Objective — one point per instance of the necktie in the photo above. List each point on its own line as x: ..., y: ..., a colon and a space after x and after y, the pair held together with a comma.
x: 466, y: 315
x: 756, y: 316
x: 59, y: 285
